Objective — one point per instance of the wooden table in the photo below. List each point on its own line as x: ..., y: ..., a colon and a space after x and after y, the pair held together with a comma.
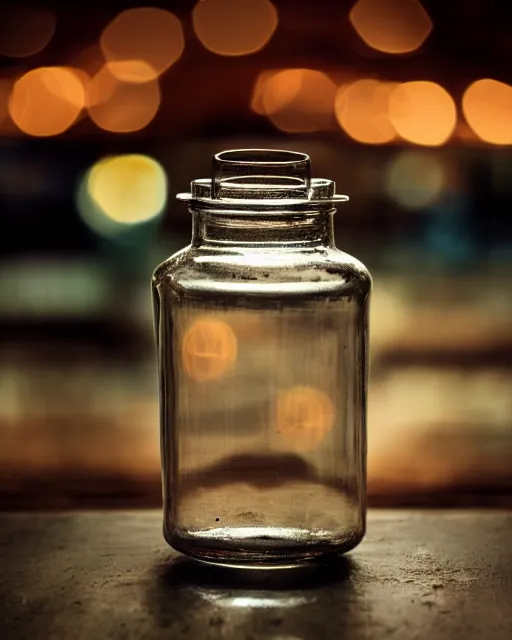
x: 418, y: 574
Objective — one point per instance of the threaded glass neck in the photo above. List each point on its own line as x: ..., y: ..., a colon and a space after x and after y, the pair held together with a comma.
x: 264, y: 230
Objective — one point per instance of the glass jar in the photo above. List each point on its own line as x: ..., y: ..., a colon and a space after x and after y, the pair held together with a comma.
x: 262, y: 339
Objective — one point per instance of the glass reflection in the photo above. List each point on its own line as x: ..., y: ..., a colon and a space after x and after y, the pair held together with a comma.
x: 278, y: 604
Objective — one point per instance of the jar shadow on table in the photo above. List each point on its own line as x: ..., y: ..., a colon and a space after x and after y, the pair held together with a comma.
x: 298, y: 602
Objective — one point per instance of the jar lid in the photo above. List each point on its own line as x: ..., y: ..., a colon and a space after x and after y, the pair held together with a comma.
x: 261, y: 178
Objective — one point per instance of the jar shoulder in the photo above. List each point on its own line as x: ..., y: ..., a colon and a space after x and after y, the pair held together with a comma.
x: 193, y: 268
x: 167, y: 270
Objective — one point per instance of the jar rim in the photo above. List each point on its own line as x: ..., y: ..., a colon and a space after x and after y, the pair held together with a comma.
x: 262, y: 179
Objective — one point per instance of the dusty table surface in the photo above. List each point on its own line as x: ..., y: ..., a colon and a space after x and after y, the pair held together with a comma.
x: 418, y: 574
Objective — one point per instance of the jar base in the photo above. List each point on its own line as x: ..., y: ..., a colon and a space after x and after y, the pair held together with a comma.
x: 261, y: 547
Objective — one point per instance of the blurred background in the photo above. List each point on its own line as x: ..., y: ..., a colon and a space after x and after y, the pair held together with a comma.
x: 107, y: 111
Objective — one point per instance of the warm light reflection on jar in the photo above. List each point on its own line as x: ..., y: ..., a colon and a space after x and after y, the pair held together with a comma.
x: 304, y: 416
x: 487, y: 107
x: 123, y: 107
x: 299, y: 100
x: 246, y: 324
x: 25, y: 31
x: 234, y: 28
x: 209, y: 349
x: 47, y: 101
x: 422, y: 112
x: 391, y: 26
x: 153, y: 36
x: 362, y: 110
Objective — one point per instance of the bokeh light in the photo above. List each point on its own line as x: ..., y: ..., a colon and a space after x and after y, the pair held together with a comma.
x: 5, y: 90
x: 422, y: 112
x: 283, y: 87
x: 119, y: 192
x: 122, y: 107
x: 487, y: 107
x: 90, y: 60
x: 234, y: 28
x: 464, y: 132
x: 391, y: 26
x: 362, y: 110
x: 304, y: 416
x: 85, y: 78
x: 258, y: 92
x: 296, y: 100
x: 153, y: 36
x: 47, y: 101
x: 131, y: 71
x: 209, y: 349
x: 25, y: 31
x: 415, y: 179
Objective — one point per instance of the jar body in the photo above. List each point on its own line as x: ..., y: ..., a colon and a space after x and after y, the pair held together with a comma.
x: 263, y: 371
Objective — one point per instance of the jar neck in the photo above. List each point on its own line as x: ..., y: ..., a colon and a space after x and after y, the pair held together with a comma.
x: 264, y: 230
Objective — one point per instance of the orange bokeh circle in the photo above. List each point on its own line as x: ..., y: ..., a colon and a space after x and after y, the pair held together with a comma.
x: 304, y: 416
x: 208, y: 350
x: 47, y: 101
